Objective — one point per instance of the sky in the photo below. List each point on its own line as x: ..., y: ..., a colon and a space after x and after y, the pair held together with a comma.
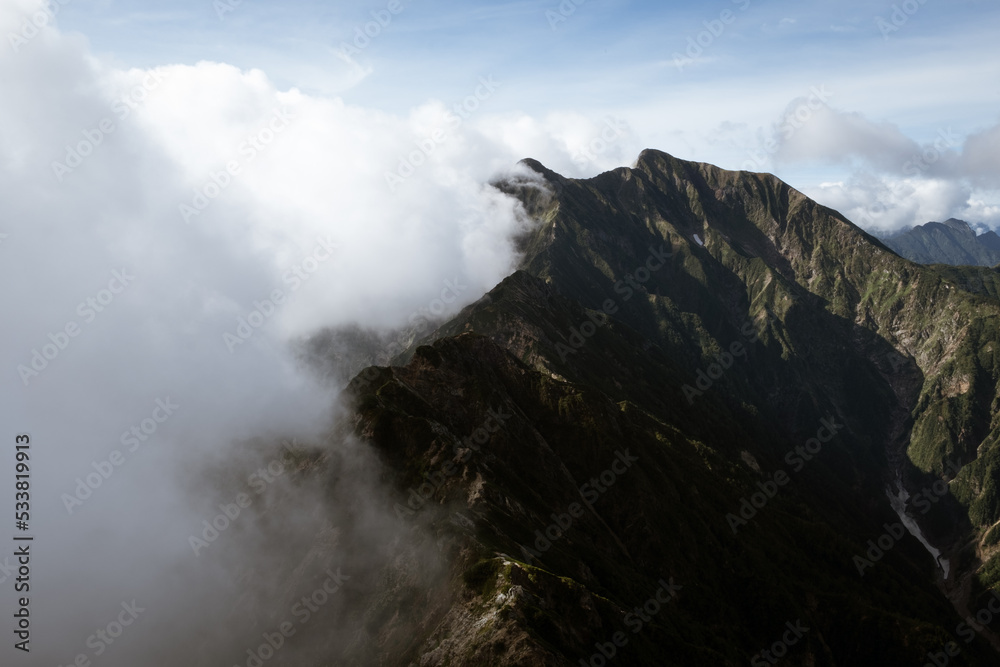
x: 188, y: 192
x: 708, y: 82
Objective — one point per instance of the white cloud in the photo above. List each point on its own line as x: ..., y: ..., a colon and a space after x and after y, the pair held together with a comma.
x: 894, y: 180
x: 882, y: 204
x: 838, y: 137
x: 981, y: 156
x: 284, y: 175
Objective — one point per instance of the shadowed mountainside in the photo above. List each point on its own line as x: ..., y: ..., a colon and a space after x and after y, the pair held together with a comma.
x: 672, y: 430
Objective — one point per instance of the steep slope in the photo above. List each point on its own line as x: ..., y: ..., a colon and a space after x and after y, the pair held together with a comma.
x: 578, y: 509
x: 949, y: 242
x: 710, y: 322
x: 770, y: 247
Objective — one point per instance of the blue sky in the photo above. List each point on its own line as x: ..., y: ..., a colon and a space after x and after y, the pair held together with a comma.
x: 604, y: 53
x: 936, y: 70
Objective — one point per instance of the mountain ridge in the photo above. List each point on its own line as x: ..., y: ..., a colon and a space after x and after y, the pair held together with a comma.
x: 716, y: 364
x: 950, y: 242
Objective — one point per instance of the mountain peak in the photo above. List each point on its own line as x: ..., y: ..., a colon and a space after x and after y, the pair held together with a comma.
x: 534, y: 165
x: 950, y: 242
x: 704, y: 322
x: 958, y: 225
x: 652, y: 155
x: 991, y: 240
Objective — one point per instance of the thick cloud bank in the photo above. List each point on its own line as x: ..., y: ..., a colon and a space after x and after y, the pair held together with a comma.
x: 164, y: 236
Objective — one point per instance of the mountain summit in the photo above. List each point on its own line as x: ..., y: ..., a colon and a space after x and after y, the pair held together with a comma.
x: 707, y: 421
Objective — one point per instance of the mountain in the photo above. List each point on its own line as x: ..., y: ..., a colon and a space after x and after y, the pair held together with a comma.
x: 949, y: 242
x: 689, y: 430
x: 991, y: 240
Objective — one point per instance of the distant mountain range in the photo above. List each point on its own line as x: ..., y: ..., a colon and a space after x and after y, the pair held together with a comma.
x: 950, y: 242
